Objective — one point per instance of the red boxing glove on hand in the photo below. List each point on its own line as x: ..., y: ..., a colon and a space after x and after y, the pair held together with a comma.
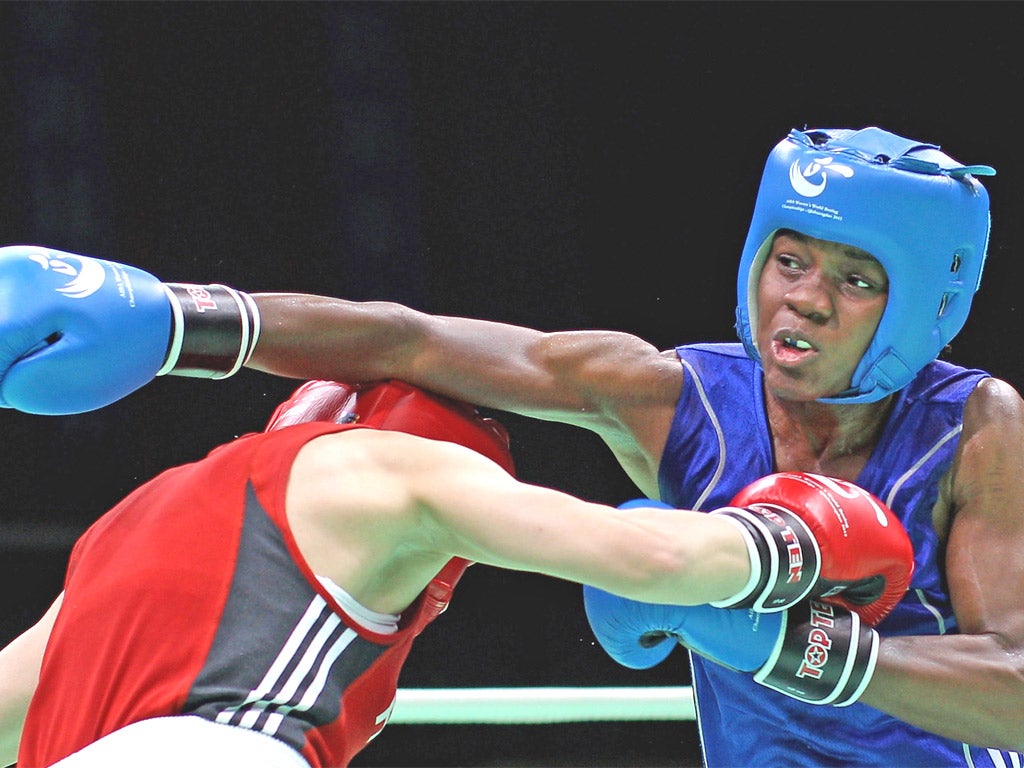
x: 820, y: 537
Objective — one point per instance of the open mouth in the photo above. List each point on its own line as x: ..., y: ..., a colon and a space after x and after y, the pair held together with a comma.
x: 789, y: 347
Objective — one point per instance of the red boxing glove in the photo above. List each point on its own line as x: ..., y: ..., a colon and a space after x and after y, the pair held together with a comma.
x: 820, y: 537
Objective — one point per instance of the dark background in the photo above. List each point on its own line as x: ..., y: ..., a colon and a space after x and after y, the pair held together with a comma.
x: 562, y: 165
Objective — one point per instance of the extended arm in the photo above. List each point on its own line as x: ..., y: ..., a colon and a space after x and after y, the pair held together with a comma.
x: 66, y: 311
x: 78, y: 333
x: 565, y: 376
x: 611, y: 383
x: 409, y: 504
x: 419, y: 502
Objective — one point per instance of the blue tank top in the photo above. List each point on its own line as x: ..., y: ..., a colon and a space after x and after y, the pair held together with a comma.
x: 719, y: 442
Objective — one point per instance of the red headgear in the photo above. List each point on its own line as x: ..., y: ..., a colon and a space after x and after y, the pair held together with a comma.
x: 395, y: 405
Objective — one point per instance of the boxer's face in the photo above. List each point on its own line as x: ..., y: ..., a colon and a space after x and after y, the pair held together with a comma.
x: 819, y: 304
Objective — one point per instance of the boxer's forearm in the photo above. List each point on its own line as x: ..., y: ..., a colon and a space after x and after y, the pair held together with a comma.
x: 486, y: 363
x: 316, y: 337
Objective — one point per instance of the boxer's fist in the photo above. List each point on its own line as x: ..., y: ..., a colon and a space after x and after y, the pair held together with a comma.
x: 815, y: 652
x: 815, y: 536
x: 78, y: 333
x: 640, y: 635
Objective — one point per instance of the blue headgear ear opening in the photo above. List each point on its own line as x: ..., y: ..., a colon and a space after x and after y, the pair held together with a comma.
x: 922, y: 214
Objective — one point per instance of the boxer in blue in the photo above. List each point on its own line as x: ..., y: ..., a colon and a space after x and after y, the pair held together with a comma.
x: 863, y: 256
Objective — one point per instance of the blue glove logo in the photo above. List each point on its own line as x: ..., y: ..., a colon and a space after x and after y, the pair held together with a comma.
x: 86, y: 278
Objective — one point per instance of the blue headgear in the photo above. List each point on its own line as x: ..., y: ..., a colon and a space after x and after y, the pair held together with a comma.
x: 918, y: 211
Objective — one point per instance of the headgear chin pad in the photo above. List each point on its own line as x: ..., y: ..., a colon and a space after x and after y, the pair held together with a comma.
x: 397, y: 406
x: 922, y: 214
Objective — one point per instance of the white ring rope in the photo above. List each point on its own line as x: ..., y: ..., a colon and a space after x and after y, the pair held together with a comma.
x: 541, y: 705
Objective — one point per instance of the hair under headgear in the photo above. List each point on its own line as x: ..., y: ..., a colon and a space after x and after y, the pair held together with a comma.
x: 397, y: 406
x: 918, y: 211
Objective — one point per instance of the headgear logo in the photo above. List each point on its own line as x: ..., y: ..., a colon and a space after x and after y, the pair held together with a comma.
x: 86, y: 278
x: 811, y: 181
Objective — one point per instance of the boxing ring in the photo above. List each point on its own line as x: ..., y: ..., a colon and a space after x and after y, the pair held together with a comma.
x: 537, y: 705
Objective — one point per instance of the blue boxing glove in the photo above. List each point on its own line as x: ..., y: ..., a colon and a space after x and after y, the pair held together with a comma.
x: 641, y: 635
x: 816, y: 652
x: 78, y: 333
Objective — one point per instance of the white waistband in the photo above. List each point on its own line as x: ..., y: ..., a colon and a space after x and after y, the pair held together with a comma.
x: 184, y: 740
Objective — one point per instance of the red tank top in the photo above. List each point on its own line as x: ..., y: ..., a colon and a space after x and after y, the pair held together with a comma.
x: 191, y: 597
